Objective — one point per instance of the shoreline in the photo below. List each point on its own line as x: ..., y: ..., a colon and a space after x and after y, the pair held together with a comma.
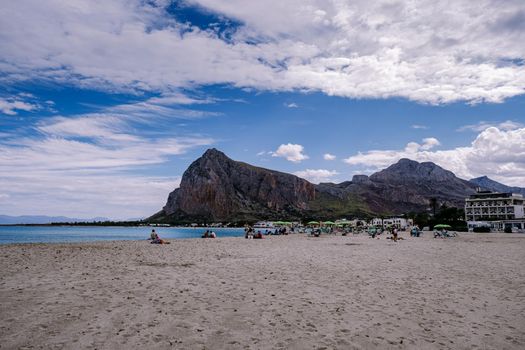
x: 403, y: 234
x: 112, y: 241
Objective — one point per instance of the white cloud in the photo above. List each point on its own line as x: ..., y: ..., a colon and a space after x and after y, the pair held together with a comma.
x: 419, y: 126
x: 100, y: 126
x: 429, y: 143
x: 499, y: 154
x: 292, y: 152
x: 23, y: 101
x: 118, y: 196
x: 90, y: 141
x: 292, y: 105
x: 420, y: 50
x: 317, y: 175
x: 166, y: 105
x: 11, y: 106
x: 482, y: 125
x: 88, y: 165
x: 177, y: 98
x: 148, y: 109
x: 328, y: 156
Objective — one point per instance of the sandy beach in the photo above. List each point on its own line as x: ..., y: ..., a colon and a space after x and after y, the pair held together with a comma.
x: 282, y: 292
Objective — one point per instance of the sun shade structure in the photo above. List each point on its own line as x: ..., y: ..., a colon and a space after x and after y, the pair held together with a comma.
x: 313, y: 223
x: 329, y: 223
x: 343, y: 222
x: 440, y: 226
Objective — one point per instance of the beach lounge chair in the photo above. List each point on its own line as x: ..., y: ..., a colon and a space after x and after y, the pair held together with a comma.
x: 444, y: 234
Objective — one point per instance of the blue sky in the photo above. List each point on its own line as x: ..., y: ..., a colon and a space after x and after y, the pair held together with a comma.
x: 103, y: 105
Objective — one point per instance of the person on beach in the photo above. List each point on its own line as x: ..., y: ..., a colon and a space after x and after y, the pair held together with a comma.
x: 212, y: 234
x: 153, y: 235
x: 206, y: 234
x: 394, y: 234
x: 155, y: 239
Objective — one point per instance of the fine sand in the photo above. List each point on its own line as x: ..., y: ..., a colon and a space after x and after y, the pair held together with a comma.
x: 286, y: 292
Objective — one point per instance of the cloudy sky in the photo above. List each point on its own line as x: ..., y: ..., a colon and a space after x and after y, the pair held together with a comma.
x: 104, y: 103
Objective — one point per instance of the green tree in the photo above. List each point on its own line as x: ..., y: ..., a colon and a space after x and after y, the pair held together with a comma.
x: 421, y: 219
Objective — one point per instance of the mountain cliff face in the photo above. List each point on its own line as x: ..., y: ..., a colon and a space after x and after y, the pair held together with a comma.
x: 491, y: 185
x: 411, y: 182
x: 403, y: 187
x: 217, y: 188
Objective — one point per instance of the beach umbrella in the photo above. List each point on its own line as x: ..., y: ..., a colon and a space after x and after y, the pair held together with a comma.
x: 440, y: 226
x: 279, y: 223
x: 313, y: 223
x: 329, y: 223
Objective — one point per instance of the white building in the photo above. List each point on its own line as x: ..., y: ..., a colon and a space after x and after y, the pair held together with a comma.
x: 377, y: 222
x: 491, y: 206
x: 496, y: 210
x: 401, y: 223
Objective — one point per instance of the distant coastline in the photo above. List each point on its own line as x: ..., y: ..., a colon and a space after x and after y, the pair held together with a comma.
x: 123, y: 224
x: 105, y: 223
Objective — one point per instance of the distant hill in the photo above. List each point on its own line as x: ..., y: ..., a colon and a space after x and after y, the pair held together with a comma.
x: 41, y: 219
x: 491, y: 185
x: 405, y: 186
x: 217, y: 188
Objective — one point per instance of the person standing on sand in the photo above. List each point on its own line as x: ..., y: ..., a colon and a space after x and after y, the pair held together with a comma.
x: 394, y: 234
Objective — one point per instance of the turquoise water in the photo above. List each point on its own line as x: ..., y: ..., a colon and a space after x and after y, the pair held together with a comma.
x: 55, y: 234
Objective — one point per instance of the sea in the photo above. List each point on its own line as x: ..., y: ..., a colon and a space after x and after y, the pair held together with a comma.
x: 64, y: 234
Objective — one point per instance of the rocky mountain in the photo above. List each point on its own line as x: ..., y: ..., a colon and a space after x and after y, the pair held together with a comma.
x: 403, y: 187
x: 217, y: 188
x: 412, y: 182
x: 491, y: 185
